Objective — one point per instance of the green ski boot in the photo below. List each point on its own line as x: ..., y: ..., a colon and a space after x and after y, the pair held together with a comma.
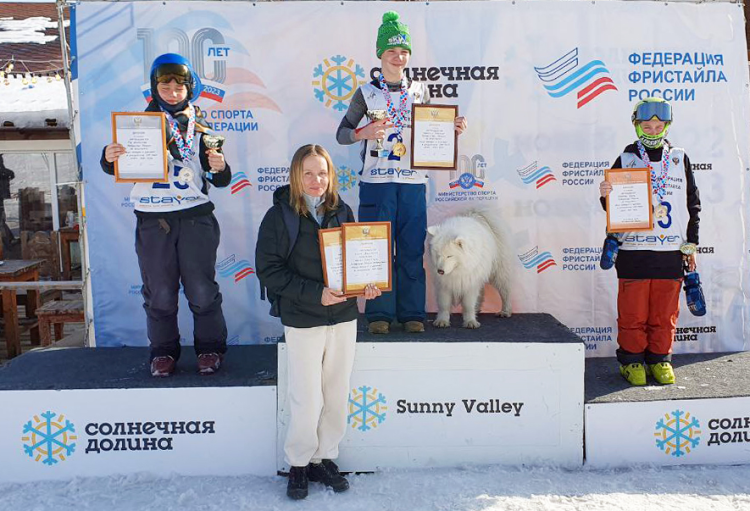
x: 662, y: 372
x: 635, y: 373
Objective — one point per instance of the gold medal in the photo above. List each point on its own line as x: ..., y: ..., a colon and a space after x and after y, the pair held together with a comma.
x: 660, y: 212
x: 399, y: 149
x: 688, y: 248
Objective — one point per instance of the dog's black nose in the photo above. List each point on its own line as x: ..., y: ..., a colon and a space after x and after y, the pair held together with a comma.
x: 441, y: 272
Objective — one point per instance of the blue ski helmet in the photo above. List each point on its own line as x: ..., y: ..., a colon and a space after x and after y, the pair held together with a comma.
x: 168, y: 67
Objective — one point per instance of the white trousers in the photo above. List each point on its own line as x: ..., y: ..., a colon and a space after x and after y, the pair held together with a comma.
x: 319, y: 364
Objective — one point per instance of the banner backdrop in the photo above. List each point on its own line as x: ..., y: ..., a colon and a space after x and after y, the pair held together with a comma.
x: 547, y: 88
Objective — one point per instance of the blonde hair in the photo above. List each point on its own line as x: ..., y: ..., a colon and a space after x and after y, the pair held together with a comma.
x: 297, y: 199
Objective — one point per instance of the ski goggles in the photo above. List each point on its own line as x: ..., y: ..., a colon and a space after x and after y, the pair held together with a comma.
x: 650, y: 109
x: 177, y: 72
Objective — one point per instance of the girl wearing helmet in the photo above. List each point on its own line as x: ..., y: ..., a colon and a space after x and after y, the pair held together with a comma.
x: 650, y: 264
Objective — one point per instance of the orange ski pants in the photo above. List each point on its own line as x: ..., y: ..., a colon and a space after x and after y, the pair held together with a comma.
x: 647, y: 311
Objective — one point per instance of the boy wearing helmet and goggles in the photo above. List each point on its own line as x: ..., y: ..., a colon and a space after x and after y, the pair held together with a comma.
x: 177, y: 234
x: 650, y: 264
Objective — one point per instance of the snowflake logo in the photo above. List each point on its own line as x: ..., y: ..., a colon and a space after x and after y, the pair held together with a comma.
x: 49, y: 439
x: 336, y: 80
x: 347, y: 178
x: 366, y: 408
x: 677, y: 433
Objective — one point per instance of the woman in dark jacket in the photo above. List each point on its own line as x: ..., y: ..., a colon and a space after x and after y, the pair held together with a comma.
x: 320, y: 324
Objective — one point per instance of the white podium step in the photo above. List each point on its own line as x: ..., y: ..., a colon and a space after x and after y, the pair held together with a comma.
x: 508, y: 393
x: 93, y: 412
x: 702, y: 419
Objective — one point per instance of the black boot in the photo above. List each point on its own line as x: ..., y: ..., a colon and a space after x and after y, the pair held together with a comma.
x: 296, y: 488
x: 327, y: 472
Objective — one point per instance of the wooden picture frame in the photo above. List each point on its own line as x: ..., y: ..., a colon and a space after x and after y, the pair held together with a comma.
x: 130, y: 121
x: 429, y: 131
x: 332, y: 257
x: 364, y: 246
x: 631, y: 178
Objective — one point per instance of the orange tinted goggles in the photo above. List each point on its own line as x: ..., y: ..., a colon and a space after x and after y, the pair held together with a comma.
x: 181, y: 80
x: 177, y: 72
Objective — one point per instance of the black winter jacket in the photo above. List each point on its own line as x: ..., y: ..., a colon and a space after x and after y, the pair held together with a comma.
x: 218, y: 179
x: 652, y: 264
x: 297, y: 281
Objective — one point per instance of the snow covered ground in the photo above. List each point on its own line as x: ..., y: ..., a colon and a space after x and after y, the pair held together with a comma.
x: 467, y: 489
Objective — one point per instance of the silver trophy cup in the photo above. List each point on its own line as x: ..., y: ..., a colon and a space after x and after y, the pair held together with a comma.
x: 213, y: 142
x: 378, y: 115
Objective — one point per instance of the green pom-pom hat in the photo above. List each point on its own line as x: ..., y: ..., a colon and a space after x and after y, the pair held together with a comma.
x: 392, y: 34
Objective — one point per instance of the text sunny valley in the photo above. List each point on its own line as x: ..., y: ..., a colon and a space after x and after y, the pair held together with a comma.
x: 468, y: 405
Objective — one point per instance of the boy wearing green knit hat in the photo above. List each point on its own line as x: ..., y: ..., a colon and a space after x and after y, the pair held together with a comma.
x: 392, y: 34
x: 389, y: 190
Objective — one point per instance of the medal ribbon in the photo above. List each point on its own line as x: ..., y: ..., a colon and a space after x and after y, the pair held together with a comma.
x: 397, y: 117
x: 658, y: 183
x: 184, y: 144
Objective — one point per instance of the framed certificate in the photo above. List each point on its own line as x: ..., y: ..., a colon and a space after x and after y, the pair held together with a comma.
x: 331, y: 253
x: 629, y: 203
x: 144, y: 136
x: 434, y: 139
x: 366, y: 256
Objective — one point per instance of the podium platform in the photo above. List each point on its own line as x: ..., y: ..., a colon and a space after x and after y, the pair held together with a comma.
x: 93, y: 412
x: 704, y: 418
x: 510, y: 392
x: 517, y: 391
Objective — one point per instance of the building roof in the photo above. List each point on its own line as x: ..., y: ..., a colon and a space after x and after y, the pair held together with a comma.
x: 20, y: 23
x: 29, y: 36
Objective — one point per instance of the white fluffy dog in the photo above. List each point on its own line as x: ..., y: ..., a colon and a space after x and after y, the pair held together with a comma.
x: 467, y: 251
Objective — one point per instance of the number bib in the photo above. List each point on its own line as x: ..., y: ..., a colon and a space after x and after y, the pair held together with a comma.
x: 393, y: 168
x: 670, y: 229
x: 183, y: 191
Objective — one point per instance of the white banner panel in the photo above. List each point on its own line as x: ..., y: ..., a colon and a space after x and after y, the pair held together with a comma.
x: 547, y: 87
x: 448, y: 404
x: 190, y: 431
x: 687, y: 432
